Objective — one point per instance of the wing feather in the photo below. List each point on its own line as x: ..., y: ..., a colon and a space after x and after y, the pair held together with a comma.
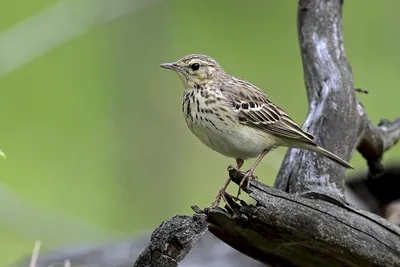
x: 255, y: 110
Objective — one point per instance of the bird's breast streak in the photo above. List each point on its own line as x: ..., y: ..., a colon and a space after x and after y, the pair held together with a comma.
x: 209, y: 125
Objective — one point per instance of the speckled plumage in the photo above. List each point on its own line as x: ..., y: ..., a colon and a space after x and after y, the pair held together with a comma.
x: 234, y: 117
x: 218, y: 120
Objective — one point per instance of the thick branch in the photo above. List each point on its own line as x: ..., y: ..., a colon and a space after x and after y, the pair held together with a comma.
x: 333, y: 106
x: 288, y: 230
x: 172, y: 240
x: 209, y: 249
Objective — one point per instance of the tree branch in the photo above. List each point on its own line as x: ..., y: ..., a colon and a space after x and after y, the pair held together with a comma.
x: 382, y: 190
x: 309, y: 233
x: 333, y: 107
x: 375, y: 140
x: 172, y: 240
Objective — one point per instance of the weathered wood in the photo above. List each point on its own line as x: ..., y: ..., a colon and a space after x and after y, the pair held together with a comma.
x: 288, y: 230
x: 209, y: 249
x: 375, y: 140
x: 333, y: 115
x: 172, y: 240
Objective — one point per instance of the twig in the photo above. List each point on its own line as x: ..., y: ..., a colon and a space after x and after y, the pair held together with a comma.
x: 35, y: 253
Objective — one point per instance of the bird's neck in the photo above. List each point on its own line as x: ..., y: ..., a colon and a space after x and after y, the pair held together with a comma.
x: 198, y: 85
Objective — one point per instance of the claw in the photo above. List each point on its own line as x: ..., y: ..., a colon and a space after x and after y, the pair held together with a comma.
x: 246, y: 178
x: 221, y: 195
x: 216, y: 201
x: 222, y: 192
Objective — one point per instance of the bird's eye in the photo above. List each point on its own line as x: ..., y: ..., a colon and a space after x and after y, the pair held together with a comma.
x: 195, y: 66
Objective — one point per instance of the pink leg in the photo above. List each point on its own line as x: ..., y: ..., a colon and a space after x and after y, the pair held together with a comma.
x: 249, y: 174
x: 222, y: 191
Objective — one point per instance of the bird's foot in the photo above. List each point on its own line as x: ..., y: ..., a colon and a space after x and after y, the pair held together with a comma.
x: 248, y: 175
x: 221, y: 195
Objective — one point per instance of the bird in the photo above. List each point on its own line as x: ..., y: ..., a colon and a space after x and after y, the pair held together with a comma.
x: 235, y: 118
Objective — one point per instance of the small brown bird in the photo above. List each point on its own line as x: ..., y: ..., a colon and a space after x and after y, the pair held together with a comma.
x: 234, y: 117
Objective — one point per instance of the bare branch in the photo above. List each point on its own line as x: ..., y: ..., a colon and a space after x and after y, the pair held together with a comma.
x: 216, y: 254
x: 172, y: 240
x: 333, y: 107
x: 375, y: 140
x: 288, y: 230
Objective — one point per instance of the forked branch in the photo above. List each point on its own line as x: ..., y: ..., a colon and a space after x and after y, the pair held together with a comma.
x: 333, y: 116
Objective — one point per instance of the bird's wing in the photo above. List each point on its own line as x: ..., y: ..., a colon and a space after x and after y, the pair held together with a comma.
x: 255, y: 110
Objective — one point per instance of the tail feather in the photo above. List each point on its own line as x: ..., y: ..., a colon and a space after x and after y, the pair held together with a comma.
x: 329, y: 155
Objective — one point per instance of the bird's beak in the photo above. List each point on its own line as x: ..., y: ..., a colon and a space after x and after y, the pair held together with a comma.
x: 171, y: 66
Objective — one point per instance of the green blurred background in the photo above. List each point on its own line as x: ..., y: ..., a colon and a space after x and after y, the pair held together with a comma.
x: 97, y: 148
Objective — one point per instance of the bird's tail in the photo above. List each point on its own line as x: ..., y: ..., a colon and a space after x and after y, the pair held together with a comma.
x: 328, y: 154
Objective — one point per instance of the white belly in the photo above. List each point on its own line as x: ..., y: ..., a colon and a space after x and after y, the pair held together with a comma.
x: 239, y: 142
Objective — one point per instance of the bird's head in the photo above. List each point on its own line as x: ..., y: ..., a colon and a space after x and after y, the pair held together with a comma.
x: 196, y: 69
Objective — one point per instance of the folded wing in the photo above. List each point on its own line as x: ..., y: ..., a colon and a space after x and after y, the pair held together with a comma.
x: 255, y: 110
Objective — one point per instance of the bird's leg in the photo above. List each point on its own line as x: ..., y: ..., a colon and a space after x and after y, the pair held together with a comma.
x: 249, y: 174
x: 222, y: 191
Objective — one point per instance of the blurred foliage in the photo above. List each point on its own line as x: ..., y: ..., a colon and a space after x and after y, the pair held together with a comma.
x: 93, y: 128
